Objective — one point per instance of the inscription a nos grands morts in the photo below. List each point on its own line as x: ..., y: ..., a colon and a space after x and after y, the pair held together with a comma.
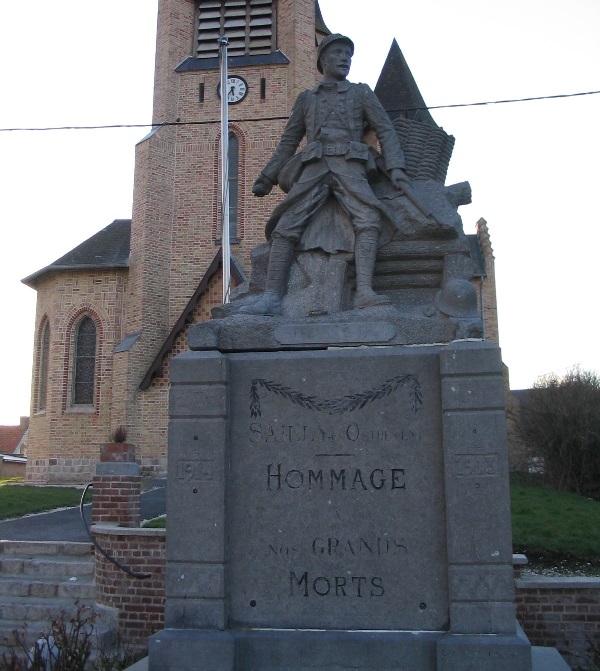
x: 327, y: 488
x: 339, y: 438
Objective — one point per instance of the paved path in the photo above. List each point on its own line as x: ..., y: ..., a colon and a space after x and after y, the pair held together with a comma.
x: 66, y: 525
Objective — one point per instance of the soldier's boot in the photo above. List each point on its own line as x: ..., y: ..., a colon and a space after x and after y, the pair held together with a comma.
x: 365, y: 251
x: 280, y: 258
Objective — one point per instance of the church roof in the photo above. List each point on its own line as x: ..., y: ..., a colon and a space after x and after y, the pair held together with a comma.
x: 109, y: 248
x: 12, y: 436
x: 320, y: 26
x: 398, y: 92
x: 186, y: 317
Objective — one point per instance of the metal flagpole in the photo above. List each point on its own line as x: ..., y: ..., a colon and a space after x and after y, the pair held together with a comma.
x: 225, y: 245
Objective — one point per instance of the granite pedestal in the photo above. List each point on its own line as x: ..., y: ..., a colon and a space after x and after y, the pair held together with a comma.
x: 343, y: 508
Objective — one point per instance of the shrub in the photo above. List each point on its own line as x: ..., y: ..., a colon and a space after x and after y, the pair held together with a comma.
x: 559, y: 420
x: 69, y: 644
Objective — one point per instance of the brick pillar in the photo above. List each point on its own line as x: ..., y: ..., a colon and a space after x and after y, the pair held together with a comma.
x: 117, y: 490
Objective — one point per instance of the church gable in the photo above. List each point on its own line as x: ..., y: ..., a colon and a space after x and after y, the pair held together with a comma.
x: 208, y: 295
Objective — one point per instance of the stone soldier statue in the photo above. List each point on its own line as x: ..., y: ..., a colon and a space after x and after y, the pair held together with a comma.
x: 333, y: 117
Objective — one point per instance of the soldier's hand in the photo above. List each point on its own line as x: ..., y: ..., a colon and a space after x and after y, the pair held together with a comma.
x: 399, y: 178
x: 262, y: 186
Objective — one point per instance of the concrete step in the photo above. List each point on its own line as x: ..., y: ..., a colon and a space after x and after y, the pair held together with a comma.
x: 25, y: 609
x: 102, y: 636
x: 105, y: 627
x: 39, y: 580
x: 77, y: 588
x: 47, y: 548
x: 46, y: 566
x: 34, y: 628
x: 547, y: 659
x: 34, y: 631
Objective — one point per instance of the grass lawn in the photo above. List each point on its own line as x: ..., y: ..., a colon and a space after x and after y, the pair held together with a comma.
x: 17, y: 499
x: 545, y: 521
x: 156, y: 523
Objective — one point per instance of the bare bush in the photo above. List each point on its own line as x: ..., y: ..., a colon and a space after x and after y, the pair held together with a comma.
x: 68, y: 644
x: 559, y: 421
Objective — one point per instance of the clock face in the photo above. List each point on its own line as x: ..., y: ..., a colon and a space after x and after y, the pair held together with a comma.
x: 237, y: 88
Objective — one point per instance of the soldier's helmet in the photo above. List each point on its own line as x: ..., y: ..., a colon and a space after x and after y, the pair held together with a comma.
x: 330, y: 39
x: 458, y: 298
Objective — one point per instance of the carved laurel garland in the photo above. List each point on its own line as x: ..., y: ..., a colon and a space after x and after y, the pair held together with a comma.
x: 336, y: 406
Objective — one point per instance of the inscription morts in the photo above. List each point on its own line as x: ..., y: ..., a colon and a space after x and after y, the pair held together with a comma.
x: 336, y: 491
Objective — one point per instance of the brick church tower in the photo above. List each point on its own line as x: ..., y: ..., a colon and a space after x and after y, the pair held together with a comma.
x: 112, y: 312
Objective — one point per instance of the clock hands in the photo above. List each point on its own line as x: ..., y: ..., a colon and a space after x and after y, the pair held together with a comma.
x: 237, y: 88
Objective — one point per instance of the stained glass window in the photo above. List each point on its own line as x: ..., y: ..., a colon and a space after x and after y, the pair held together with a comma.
x: 84, y: 373
x: 44, y: 353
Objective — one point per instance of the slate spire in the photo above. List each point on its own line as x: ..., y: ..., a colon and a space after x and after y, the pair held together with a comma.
x: 320, y: 28
x: 398, y: 92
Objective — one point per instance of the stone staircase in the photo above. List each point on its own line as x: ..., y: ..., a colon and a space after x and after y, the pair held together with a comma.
x: 40, y: 579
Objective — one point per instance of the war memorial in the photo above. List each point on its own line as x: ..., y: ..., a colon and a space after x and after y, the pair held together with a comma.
x: 338, y: 492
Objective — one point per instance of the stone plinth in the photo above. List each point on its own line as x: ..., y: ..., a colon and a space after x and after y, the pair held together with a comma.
x: 346, y: 507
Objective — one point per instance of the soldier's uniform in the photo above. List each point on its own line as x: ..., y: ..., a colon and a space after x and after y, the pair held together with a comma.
x: 333, y: 117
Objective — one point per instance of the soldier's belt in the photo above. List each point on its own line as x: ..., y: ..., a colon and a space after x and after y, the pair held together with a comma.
x: 351, y: 150
x: 336, y: 149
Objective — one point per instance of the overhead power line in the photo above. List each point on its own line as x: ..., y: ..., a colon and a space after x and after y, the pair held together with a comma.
x: 279, y: 118
x: 516, y: 100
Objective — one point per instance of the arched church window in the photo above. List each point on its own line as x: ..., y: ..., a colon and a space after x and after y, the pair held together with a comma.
x: 249, y: 25
x: 43, y: 357
x: 84, y: 368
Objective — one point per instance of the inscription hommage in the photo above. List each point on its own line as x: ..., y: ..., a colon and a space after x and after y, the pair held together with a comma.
x: 331, y: 479
x: 340, y: 405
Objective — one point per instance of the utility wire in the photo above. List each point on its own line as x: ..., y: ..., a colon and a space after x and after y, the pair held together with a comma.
x: 516, y: 100
x: 280, y: 118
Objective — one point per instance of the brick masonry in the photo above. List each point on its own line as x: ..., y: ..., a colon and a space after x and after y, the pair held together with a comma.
x: 116, y: 500
x: 555, y: 612
x: 174, y: 233
x: 139, y: 602
x: 64, y: 440
x: 562, y: 613
x: 175, y: 227
x: 487, y: 296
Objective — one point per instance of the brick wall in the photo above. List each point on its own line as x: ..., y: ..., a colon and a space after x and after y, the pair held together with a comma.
x: 64, y: 439
x: 116, y: 500
x: 176, y: 217
x: 562, y: 613
x: 490, y: 306
x: 175, y: 225
x: 554, y: 612
x: 140, y: 603
x: 155, y: 399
